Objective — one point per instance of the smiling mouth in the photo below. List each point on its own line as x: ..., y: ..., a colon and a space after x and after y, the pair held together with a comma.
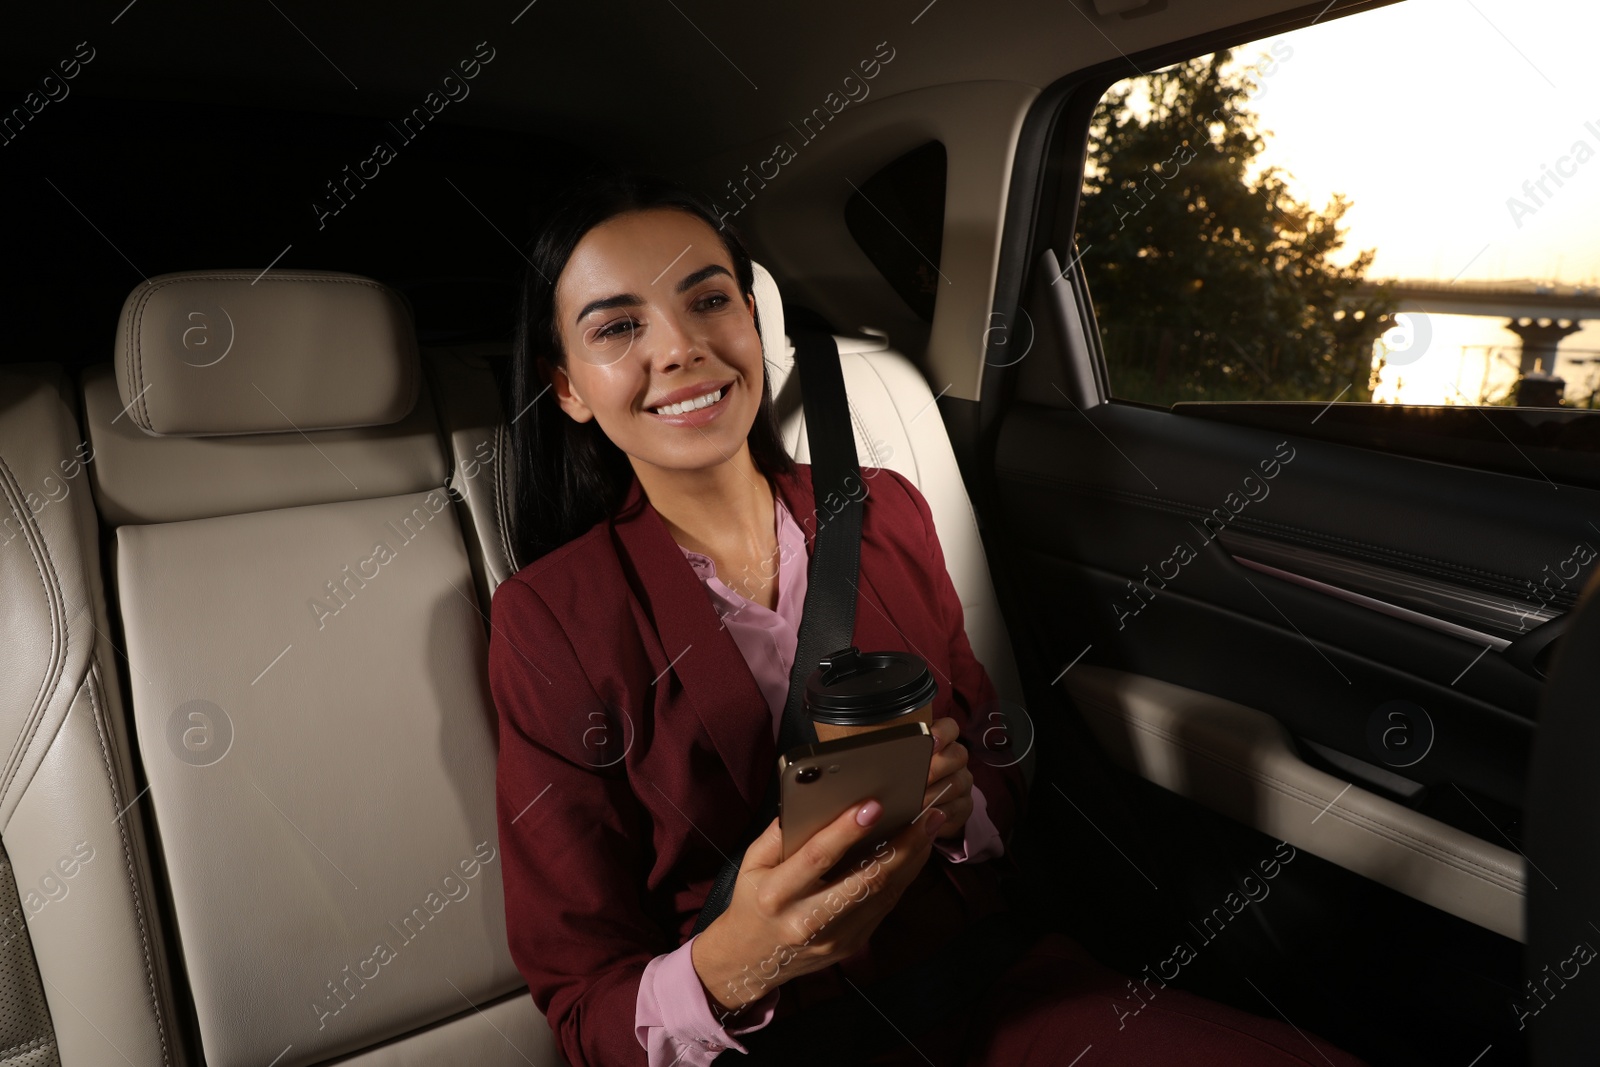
x: 704, y: 400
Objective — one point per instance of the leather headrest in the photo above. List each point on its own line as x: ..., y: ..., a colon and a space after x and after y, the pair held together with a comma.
x: 769, y: 309
x: 231, y: 352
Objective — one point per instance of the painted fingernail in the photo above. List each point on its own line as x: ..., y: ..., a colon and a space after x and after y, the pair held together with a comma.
x: 934, y: 821
x: 869, y: 812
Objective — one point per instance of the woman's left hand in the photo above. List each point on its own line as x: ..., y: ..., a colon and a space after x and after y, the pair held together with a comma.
x: 949, y: 782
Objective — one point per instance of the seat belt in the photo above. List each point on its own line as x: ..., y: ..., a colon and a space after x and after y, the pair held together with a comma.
x: 827, y: 621
x: 918, y: 996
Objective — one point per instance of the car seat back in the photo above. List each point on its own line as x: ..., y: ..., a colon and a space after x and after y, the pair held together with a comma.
x: 307, y: 665
x: 83, y: 973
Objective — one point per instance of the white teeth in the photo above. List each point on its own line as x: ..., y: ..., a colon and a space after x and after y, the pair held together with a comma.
x: 690, y: 405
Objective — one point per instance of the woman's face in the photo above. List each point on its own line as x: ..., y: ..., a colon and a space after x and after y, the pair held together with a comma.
x: 649, y: 313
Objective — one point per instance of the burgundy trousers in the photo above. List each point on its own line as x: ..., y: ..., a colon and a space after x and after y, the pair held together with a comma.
x: 1059, y: 1007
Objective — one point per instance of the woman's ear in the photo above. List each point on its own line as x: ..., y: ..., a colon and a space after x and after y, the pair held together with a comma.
x: 561, y: 384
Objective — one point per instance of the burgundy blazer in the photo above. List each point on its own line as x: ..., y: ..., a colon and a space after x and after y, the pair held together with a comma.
x: 636, y: 748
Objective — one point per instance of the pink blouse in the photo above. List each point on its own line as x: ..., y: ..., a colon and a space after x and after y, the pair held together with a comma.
x: 675, y: 1019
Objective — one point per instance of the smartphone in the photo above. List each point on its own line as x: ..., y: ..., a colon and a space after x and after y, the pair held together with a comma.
x: 818, y: 782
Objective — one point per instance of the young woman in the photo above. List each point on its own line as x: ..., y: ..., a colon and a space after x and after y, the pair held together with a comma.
x: 640, y: 666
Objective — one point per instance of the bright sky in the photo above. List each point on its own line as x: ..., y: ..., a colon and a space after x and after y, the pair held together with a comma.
x: 1429, y: 115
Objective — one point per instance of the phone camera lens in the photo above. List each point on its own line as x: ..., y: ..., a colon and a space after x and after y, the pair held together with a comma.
x: 806, y: 775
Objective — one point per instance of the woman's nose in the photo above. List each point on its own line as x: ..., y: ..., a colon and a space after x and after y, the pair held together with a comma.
x: 678, y: 345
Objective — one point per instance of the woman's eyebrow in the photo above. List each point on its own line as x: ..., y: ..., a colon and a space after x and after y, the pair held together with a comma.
x: 634, y: 300
x: 701, y: 275
x: 621, y: 300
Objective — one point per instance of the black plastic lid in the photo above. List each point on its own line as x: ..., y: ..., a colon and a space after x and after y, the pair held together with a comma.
x: 855, y: 688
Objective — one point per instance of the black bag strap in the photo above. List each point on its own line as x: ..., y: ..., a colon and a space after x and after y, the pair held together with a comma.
x: 827, y: 622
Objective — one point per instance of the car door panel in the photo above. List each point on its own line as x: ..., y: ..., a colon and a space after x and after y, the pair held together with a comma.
x: 1241, y: 763
x: 1140, y: 518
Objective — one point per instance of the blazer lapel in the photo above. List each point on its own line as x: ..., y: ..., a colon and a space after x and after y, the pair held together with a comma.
x: 714, y: 679
x: 699, y: 651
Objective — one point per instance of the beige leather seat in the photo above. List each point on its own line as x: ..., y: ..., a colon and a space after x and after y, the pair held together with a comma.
x: 83, y: 900
x: 304, y: 668
x: 306, y: 661
x: 897, y: 426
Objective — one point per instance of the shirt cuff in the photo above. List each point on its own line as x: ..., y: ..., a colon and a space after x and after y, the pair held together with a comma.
x: 678, y: 1023
x: 980, y: 841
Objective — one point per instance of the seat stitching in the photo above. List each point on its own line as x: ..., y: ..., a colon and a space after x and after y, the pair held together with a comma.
x: 281, y: 276
x: 127, y: 854
x: 501, y: 511
x: 60, y: 633
x: 138, y: 359
x: 135, y: 358
x: 127, y: 351
x: 855, y: 414
x: 49, y: 577
x: 861, y: 427
x: 501, y: 516
x: 916, y: 467
x: 36, y: 1043
x: 1420, y: 846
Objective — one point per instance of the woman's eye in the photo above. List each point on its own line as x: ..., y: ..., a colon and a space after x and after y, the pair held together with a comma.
x: 616, y: 329
x: 713, y: 301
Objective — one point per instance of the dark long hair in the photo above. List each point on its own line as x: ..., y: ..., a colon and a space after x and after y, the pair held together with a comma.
x: 564, y: 475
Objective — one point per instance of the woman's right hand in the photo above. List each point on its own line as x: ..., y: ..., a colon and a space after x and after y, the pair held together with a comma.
x: 785, y: 921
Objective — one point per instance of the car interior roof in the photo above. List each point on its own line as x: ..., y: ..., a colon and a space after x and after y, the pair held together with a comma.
x: 676, y: 81
x: 188, y: 143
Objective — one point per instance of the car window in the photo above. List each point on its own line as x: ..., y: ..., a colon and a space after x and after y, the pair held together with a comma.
x: 1336, y: 213
x: 897, y: 218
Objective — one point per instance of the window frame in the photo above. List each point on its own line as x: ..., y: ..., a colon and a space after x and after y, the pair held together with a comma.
x: 1554, y: 444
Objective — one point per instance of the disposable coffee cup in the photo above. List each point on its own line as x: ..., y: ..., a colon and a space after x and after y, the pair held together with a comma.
x: 853, y: 692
